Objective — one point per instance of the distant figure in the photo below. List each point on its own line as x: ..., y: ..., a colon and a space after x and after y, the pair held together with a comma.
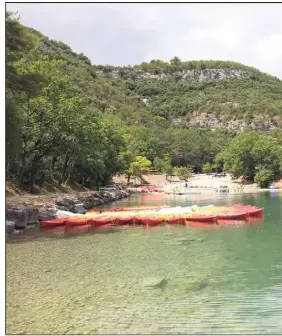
x: 186, y: 185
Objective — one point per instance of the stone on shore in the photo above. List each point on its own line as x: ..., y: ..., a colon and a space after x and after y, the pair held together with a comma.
x: 47, y: 213
x: 79, y: 208
x: 22, y: 217
x: 10, y: 226
x: 65, y: 202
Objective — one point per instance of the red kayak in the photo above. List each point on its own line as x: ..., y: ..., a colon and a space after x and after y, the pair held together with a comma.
x: 201, y: 218
x: 53, y: 222
x: 100, y: 221
x: 176, y: 220
x: 238, y: 215
x: 77, y: 221
x: 122, y: 220
x: 152, y: 221
x: 93, y: 211
x: 255, y: 212
x: 131, y: 209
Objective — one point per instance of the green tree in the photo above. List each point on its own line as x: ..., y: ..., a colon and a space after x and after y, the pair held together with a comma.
x: 140, y: 166
x: 183, y: 173
x: 263, y: 176
x: 163, y: 165
x: 251, y: 150
x: 207, y: 168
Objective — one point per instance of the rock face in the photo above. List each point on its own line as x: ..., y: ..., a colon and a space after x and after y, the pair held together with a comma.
x: 192, y: 76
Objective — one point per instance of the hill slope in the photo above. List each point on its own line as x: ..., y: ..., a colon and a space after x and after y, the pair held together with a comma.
x: 208, y: 94
x: 70, y: 120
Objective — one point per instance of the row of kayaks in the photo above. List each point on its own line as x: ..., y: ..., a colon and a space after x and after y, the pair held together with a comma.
x: 157, y: 216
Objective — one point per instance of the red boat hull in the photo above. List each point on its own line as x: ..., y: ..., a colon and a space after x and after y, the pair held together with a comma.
x: 53, y: 222
x: 176, y: 220
x: 100, y: 221
x: 152, y: 221
x: 202, y: 218
x: 76, y: 221
x: 241, y: 215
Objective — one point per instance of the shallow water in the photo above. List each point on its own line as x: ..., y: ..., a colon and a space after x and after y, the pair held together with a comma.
x: 165, y: 280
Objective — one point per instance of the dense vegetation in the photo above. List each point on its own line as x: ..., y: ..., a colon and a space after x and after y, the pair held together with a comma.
x: 67, y: 123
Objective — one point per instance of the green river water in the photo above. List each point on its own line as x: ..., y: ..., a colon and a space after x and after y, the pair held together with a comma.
x: 162, y: 280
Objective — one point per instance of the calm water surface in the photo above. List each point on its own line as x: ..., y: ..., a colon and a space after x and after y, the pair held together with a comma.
x: 165, y: 280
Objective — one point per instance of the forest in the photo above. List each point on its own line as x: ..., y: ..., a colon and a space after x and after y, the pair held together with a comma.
x: 67, y: 123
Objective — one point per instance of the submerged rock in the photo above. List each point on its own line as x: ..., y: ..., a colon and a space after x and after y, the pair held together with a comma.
x: 154, y: 282
x: 198, y: 285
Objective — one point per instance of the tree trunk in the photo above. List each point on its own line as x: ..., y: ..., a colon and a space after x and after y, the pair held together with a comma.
x: 67, y: 157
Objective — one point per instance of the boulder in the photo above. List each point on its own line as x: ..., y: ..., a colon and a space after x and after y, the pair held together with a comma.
x: 31, y: 215
x: 79, y: 208
x: 47, y: 213
x: 10, y: 226
x: 65, y: 202
x: 18, y: 216
x: 64, y: 208
x: 23, y: 217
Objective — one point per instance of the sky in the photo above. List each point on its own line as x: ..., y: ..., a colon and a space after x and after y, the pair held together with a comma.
x: 128, y: 34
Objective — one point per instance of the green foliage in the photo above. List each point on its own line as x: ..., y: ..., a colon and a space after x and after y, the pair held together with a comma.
x: 207, y: 168
x: 183, y: 173
x: 249, y: 152
x: 139, y: 166
x: 263, y: 176
x: 163, y: 165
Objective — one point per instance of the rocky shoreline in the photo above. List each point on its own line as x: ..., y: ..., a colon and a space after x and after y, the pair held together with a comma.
x: 19, y: 218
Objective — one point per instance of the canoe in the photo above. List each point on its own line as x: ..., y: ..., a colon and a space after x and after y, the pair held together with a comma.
x: 122, y: 220
x: 53, y: 222
x: 201, y: 218
x: 77, y: 221
x: 93, y: 211
x: 255, y: 212
x: 152, y: 221
x: 238, y: 215
x: 175, y: 220
x: 131, y: 209
x: 100, y: 221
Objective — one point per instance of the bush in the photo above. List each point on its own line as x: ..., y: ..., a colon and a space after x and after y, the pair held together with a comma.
x: 263, y: 177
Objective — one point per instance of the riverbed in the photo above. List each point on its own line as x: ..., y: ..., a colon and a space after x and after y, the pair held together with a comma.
x: 163, y: 280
